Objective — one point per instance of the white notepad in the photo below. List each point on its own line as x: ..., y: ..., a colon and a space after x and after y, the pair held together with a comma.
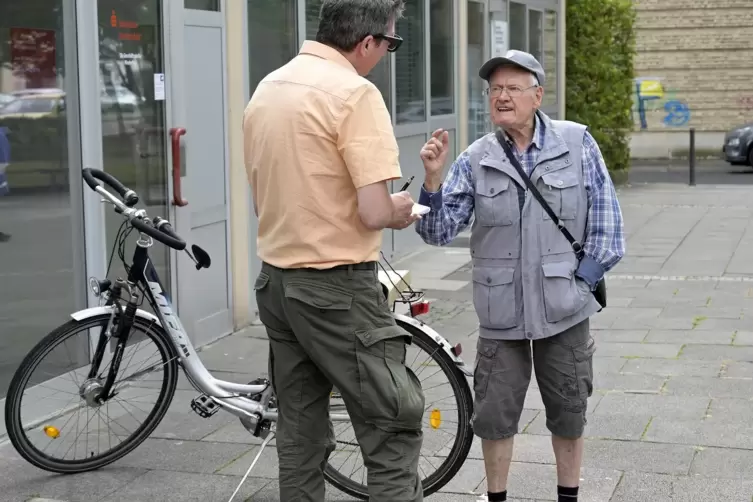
x: 420, y: 209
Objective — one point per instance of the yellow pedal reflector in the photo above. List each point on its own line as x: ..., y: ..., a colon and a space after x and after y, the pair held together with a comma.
x: 52, y: 431
x: 435, y: 419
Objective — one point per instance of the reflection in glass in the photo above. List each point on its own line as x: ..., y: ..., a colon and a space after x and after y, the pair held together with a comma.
x: 518, y: 27
x: 38, y: 288
x: 550, y: 58
x: 272, y: 36
x: 477, y: 107
x: 133, y: 118
x: 410, y: 65
x: 442, y: 57
x: 379, y: 76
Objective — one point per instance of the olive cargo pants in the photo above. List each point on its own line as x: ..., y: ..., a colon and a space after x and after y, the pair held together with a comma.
x: 333, y: 327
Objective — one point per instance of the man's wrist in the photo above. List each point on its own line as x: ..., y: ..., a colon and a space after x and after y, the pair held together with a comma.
x: 432, y: 184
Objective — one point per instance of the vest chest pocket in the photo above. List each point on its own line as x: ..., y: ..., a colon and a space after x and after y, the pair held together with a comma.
x: 493, y: 196
x: 560, y: 191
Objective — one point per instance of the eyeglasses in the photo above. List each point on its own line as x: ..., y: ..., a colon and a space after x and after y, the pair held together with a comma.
x: 394, y: 41
x: 513, y: 91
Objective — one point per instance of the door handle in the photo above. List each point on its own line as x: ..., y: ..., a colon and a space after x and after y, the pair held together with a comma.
x: 175, y: 134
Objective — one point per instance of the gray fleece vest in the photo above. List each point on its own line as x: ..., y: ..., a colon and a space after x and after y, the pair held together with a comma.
x: 523, y: 267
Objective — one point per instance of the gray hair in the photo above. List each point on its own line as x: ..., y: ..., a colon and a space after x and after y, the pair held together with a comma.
x: 344, y: 23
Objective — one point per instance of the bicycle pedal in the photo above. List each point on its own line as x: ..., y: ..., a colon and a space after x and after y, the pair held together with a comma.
x: 204, y: 406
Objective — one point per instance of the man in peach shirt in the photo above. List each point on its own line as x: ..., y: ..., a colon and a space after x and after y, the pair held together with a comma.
x: 319, y: 151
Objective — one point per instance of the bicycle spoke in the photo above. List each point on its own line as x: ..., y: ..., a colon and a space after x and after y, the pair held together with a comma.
x: 442, y: 423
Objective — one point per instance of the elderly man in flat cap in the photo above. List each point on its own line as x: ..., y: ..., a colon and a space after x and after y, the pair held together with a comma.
x: 547, y: 228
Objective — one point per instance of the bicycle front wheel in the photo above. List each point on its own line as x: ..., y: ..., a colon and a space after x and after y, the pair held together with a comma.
x: 52, y: 412
x: 446, y: 425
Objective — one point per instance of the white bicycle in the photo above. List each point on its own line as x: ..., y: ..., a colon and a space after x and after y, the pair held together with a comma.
x: 115, y: 336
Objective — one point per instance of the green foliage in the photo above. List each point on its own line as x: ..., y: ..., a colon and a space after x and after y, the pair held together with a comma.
x: 600, y: 49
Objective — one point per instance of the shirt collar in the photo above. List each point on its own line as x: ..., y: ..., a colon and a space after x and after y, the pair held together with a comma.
x: 320, y: 50
x: 538, y: 133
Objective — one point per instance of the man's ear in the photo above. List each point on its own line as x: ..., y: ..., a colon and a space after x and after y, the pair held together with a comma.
x: 540, y: 94
x: 366, y: 44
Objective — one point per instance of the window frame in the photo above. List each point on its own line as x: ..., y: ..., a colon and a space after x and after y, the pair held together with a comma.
x: 431, y: 122
x: 542, y: 6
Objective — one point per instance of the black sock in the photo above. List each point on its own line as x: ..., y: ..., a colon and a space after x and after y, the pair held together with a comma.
x: 497, y: 496
x: 566, y: 494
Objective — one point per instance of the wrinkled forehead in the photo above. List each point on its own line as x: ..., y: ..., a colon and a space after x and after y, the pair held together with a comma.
x: 511, y: 75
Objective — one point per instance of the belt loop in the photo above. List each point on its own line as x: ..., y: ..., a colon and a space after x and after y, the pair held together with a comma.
x: 350, y: 270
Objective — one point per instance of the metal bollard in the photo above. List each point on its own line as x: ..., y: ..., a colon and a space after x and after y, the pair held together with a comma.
x: 691, y: 157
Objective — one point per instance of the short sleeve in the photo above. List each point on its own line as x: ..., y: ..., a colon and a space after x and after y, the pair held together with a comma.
x: 365, y: 138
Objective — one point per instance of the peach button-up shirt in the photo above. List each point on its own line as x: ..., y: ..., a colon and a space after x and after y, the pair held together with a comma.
x: 314, y: 132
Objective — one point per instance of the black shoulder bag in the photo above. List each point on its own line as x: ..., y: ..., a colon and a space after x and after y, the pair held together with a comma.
x: 600, y: 293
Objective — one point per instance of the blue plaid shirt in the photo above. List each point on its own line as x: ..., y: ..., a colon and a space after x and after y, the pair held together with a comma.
x: 452, y: 207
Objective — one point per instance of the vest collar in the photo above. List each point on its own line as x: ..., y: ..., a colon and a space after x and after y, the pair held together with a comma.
x: 552, y: 146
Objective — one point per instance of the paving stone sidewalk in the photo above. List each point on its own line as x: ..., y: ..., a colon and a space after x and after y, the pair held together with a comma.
x: 671, y: 418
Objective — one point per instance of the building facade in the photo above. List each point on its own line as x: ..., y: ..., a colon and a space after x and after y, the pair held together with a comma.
x: 153, y: 92
x: 693, y: 69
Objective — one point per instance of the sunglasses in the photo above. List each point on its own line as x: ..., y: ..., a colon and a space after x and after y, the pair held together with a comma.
x: 394, y: 41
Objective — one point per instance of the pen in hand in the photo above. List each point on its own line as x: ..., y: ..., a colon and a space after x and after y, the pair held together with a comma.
x: 407, y: 184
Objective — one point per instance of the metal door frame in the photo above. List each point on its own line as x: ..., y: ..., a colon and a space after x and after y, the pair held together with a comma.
x: 175, y: 17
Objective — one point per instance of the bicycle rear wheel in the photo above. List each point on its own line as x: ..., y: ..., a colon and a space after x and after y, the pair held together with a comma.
x: 447, y: 423
x: 73, y: 410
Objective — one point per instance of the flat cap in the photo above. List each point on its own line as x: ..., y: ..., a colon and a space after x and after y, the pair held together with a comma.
x: 520, y: 59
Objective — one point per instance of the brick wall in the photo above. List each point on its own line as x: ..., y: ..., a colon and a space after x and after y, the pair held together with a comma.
x: 701, y: 52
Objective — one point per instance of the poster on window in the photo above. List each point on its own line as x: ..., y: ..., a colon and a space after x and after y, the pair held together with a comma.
x: 32, y: 56
x: 499, y: 38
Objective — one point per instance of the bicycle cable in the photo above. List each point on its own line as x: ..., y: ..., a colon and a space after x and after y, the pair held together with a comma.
x: 413, y: 296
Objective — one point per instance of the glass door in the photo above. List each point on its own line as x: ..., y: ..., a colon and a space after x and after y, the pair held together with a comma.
x: 41, y: 216
x: 132, y: 99
x: 478, y: 116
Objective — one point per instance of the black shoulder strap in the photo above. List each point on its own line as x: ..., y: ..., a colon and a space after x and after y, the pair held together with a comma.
x: 577, y: 248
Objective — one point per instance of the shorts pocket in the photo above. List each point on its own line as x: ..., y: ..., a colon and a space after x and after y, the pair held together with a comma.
x: 485, y: 361
x: 562, y: 295
x: 494, y: 297
x: 391, y: 394
x: 584, y: 371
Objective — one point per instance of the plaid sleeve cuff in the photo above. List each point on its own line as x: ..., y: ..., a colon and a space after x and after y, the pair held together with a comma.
x: 431, y: 199
x: 590, y: 271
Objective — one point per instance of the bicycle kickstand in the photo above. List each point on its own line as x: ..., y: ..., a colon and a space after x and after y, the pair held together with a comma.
x: 258, y: 455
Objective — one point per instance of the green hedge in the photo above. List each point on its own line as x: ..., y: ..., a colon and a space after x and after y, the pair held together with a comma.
x: 600, y: 49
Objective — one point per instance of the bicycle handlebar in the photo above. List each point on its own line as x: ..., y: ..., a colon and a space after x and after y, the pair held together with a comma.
x: 159, y: 229
x: 92, y: 175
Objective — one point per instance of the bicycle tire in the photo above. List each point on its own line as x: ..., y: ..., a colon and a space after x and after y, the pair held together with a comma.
x: 15, y: 428
x: 463, y: 442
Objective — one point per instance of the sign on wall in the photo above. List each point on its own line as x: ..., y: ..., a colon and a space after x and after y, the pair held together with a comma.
x: 499, y: 43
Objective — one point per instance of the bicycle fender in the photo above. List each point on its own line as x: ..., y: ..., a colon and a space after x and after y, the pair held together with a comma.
x: 459, y: 363
x: 95, y: 311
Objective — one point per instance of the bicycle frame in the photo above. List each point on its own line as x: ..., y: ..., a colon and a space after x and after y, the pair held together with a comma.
x: 233, y: 397
x: 230, y: 396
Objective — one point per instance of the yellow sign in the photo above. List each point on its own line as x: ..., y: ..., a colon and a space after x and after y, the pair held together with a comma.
x: 651, y: 89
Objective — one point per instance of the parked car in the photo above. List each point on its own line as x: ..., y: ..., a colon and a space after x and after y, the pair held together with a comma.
x: 34, y: 106
x: 738, y: 145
